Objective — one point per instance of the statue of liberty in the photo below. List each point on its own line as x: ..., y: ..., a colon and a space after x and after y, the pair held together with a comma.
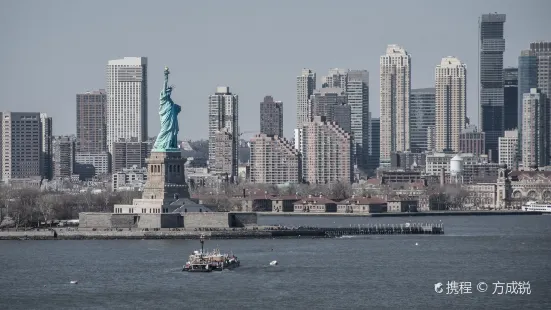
x: 167, y: 140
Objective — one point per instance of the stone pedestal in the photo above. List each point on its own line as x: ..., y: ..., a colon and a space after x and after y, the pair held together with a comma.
x: 165, y: 177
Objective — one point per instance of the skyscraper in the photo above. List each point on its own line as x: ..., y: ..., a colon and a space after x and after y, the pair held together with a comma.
x: 331, y: 103
x: 374, y: 128
x: 126, y: 100
x: 24, y: 145
x: 336, y: 78
x: 271, y: 117
x: 422, y: 116
x: 306, y: 83
x: 91, y: 122
x: 534, y: 129
x: 395, y: 79
x: 451, y: 103
x: 492, y: 46
x: 527, y: 79
x: 63, y: 150
x: 46, y: 146
x: 224, y: 116
x: 542, y: 50
x: 510, y: 98
x: 357, y: 92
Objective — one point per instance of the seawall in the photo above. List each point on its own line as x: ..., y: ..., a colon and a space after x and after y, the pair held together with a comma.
x: 404, y: 214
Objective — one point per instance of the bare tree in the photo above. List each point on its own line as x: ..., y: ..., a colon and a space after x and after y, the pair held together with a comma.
x: 340, y: 190
x: 46, y: 204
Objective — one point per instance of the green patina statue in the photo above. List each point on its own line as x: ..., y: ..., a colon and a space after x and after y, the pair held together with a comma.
x: 167, y: 140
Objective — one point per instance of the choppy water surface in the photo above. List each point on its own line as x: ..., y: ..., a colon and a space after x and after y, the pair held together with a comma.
x: 375, y: 272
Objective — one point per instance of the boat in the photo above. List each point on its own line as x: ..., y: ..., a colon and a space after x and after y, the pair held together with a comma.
x: 201, y: 261
x: 537, y: 207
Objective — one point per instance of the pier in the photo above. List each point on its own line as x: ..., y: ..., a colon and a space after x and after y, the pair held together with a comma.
x: 256, y: 232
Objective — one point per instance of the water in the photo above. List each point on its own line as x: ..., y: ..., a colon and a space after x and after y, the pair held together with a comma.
x: 374, y: 272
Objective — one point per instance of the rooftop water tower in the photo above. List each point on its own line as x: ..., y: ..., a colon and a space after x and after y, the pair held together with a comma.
x: 456, y: 169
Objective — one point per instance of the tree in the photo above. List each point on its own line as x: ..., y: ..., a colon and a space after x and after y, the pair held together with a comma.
x: 46, y: 204
x: 340, y: 190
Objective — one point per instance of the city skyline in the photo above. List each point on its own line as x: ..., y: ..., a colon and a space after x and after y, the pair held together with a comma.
x: 198, y: 75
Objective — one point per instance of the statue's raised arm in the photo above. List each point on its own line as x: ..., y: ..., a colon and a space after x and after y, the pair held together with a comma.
x: 167, y: 72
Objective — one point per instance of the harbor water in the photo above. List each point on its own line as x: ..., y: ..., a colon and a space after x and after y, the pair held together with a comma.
x: 358, y: 272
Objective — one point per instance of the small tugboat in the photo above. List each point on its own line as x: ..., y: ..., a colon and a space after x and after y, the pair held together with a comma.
x: 200, y: 261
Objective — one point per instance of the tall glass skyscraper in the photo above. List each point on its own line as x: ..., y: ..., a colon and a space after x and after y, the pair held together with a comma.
x: 510, y: 98
x: 492, y: 46
x: 527, y: 78
x: 421, y: 117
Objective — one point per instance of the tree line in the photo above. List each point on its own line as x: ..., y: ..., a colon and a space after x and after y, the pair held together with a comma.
x: 29, y: 207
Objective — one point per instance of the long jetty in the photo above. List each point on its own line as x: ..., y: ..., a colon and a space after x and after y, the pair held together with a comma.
x: 219, y: 233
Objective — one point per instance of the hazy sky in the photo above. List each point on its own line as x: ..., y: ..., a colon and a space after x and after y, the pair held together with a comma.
x: 52, y: 50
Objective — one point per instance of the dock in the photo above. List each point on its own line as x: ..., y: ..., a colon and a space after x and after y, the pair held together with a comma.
x: 370, y: 229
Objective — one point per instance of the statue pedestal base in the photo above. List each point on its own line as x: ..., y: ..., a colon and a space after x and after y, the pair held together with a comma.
x: 165, y: 176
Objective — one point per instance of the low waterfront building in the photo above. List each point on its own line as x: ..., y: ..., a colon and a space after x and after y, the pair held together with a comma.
x: 402, y: 205
x: 315, y: 205
x: 362, y: 205
x: 284, y: 203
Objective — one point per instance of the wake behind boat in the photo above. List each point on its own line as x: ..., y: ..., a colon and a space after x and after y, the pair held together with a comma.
x: 201, y: 261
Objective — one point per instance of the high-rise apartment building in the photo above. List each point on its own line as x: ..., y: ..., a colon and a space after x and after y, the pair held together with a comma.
x: 92, y: 122
x: 510, y: 98
x: 451, y: 103
x: 527, y: 79
x: 224, y: 114
x: 274, y: 160
x: 126, y: 100
x: 224, y: 160
x: 508, y: 148
x: 23, y: 145
x: 534, y: 129
x: 357, y: 92
x: 331, y: 103
x: 472, y: 141
x: 306, y: 83
x: 327, y: 155
x: 492, y: 46
x: 422, y: 107
x: 127, y: 154
x: 271, y: 117
x: 431, y: 138
x: 46, y: 146
x: 63, y: 148
x: 395, y: 87
x: 336, y: 78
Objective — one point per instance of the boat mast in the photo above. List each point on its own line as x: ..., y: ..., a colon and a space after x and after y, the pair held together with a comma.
x: 202, y: 240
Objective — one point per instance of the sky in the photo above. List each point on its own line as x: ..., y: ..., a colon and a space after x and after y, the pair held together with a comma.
x: 52, y: 50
